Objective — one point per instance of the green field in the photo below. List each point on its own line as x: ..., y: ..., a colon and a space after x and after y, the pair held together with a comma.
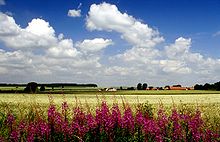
x: 94, y: 91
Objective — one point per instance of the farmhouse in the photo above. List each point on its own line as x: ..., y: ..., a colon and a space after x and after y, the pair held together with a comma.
x: 111, y: 89
x: 178, y: 87
x: 153, y: 88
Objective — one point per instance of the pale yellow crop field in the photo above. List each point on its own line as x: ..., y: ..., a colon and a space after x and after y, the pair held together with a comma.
x: 93, y: 98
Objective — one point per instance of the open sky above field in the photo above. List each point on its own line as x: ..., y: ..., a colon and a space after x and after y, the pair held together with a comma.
x: 111, y: 43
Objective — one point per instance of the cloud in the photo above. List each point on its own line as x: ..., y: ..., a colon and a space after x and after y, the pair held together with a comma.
x: 143, y: 55
x: 175, y: 63
x: 107, y: 17
x: 38, y: 34
x: 216, y: 34
x: 8, y: 26
x: 74, y: 13
x: 36, y: 52
x: 64, y: 49
x: 94, y: 45
x: 2, y: 2
x: 179, y: 49
x: 120, y: 71
x: 174, y: 66
x: 180, y: 59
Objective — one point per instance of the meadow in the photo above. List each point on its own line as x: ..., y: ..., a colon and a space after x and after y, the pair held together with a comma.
x: 157, y: 108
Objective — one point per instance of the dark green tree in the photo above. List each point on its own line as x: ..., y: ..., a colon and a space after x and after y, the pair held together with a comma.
x: 42, y: 88
x: 144, y: 86
x: 139, y: 86
x: 207, y: 86
x: 31, y: 87
x: 198, y: 87
x: 217, y: 86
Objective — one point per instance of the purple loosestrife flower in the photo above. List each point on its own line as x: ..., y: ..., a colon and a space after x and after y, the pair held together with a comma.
x: 139, y: 119
x: 151, y: 127
x: 65, y: 106
x: 65, y: 109
x: 208, y: 136
x: 30, y: 138
x: 177, y: 133
x: 57, y: 122
x: 22, y: 126
x: 74, y: 128
x: 42, y: 128
x: 31, y: 132
x: 107, y: 122
x: 14, y: 136
x: 162, y: 119
x: 2, y: 139
x: 10, y: 119
x: 91, y: 123
x: 128, y: 119
x: 78, y: 122
x: 103, y: 117
x: 65, y: 127
x: 98, y: 117
x: 51, y: 113
x: 162, y: 123
x: 31, y: 128
x: 79, y: 116
x: 195, y: 125
x: 116, y: 115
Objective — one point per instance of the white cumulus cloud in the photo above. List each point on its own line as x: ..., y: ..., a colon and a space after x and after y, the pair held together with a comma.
x: 94, y: 45
x: 107, y: 17
x: 37, y: 34
x: 74, y: 13
x: 179, y: 49
x: 36, y: 53
x: 8, y: 26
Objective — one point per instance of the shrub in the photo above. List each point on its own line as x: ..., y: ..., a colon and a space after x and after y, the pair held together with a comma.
x: 42, y: 88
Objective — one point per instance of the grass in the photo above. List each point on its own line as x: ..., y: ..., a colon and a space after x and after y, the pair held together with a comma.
x: 11, y: 88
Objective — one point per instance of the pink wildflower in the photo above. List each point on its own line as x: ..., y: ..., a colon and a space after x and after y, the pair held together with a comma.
x: 128, y: 120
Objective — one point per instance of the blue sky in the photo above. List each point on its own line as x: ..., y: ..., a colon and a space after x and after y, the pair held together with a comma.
x: 110, y: 42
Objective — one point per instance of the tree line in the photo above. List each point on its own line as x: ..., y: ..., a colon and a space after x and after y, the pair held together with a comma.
x: 32, y: 87
x: 207, y: 86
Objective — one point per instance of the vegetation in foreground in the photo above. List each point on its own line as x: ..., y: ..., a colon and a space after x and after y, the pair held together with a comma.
x: 106, y: 124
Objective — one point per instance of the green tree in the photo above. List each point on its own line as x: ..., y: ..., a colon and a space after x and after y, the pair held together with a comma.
x: 42, y: 88
x: 139, y: 86
x: 31, y: 87
x: 144, y: 86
